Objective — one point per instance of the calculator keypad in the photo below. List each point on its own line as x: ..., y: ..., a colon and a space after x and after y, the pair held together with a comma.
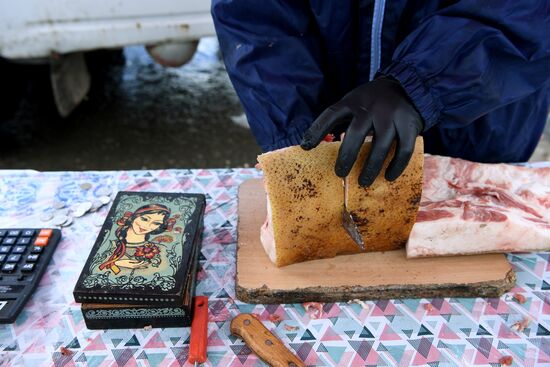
x: 24, y: 256
x: 20, y: 249
x: 23, y: 241
x: 8, y: 267
x: 13, y: 258
x: 9, y: 241
x: 32, y: 258
x: 28, y: 267
x: 45, y: 233
x: 41, y: 241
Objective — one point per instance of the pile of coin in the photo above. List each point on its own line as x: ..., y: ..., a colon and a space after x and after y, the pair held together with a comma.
x: 61, y: 215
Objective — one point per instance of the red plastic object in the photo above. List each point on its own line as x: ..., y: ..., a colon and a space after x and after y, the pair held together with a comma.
x: 45, y: 233
x: 41, y: 241
x: 199, y: 330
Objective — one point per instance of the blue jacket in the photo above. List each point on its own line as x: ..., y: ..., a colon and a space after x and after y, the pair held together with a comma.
x: 477, y: 71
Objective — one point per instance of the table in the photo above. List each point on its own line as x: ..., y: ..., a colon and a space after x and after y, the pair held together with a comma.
x: 435, y: 332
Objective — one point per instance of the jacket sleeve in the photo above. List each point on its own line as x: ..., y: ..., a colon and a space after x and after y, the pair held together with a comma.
x: 272, y: 58
x: 470, y: 58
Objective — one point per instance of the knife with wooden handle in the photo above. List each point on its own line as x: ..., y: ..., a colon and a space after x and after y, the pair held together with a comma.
x: 266, y: 345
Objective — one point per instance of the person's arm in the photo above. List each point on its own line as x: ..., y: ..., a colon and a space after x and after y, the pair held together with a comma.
x: 459, y: 64
x: 473, y: 57
x: 272, y: 56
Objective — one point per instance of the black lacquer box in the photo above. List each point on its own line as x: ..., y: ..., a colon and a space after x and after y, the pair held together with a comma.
x: 142, y: 268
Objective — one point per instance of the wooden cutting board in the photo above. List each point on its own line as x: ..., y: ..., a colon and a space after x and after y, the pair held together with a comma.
x: 375, y: 275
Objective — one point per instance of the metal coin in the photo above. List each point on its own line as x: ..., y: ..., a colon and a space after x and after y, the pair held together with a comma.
x: 58, y: 205
x: 46, y: 217
x: 104, y: 191
x: 85, y: 206
x: 64, y: 211
x: 59, y: 220
x: 82, y: 209
x: 96, y: 204
x: 68, y: 222
x: 105, y: 199
x: 74, y: 207
x: 85, y: 186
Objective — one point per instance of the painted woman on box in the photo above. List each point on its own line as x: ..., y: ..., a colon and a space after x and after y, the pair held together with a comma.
x: 134, y: 247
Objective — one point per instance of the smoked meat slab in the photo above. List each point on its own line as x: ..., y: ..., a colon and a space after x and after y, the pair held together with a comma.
x: 374, y: 275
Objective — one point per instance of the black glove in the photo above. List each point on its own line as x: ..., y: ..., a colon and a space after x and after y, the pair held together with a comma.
x: 380, y: 106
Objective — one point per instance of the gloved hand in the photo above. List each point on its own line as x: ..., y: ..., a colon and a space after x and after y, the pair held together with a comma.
x: 381, y: 107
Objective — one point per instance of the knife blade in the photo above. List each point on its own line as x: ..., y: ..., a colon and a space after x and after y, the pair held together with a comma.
x: 349, y: 224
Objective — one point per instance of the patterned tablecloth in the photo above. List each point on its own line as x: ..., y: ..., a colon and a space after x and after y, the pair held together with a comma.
x: 435, y: 332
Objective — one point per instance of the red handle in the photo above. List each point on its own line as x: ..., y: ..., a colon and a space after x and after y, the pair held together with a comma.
x: 199, y: 330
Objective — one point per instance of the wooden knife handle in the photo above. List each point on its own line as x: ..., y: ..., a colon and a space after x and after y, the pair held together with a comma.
x: 266, y: 345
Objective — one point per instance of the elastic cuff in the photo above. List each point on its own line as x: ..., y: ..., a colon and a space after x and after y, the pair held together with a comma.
x: 289, y: 140
x: 428, y: 106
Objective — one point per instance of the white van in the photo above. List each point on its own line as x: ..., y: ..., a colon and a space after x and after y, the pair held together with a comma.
x: 60, y: 31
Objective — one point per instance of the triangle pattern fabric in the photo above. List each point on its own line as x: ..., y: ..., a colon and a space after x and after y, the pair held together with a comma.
x: 307, y: 335
x: 361, y: 347
x: 542, y: 331
x: 303, y: 349
x: 132, y: 342
x: 501, y: 345
x: 466, y: 331
x: 291, y: 336
x: 95, y: 361
x: 424, y: 331
x: 422, y: 346
x: 96, y: 344
x: 483, y: 345
x: 482, y: 331
x: 366, y: 333
x: 74, y: 344
x: 349, y: 333
x: 407, y: 332
x: 81, y: 358
x: 122, y: 356
x: 335, y: 353
x: 155, y: 341
x: 156, y: 358
x: 331, y: 335
x: 381, y: 348
x: 321, y: 348
x: 242, y: 352
x: 180, y: 354
x: 396, y: 351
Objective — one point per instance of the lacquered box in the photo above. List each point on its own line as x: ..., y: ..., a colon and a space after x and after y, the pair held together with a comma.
x: 142, y: 268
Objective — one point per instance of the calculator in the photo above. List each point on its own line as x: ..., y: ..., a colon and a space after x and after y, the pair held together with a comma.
x: 24, y: 256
